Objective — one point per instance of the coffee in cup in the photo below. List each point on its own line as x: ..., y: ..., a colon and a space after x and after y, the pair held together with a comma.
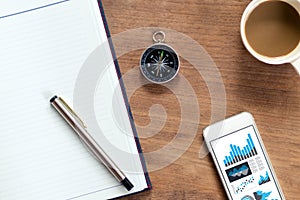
x: 270, y: 30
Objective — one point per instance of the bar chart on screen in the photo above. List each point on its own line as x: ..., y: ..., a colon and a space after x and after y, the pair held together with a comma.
x: 239, y: 153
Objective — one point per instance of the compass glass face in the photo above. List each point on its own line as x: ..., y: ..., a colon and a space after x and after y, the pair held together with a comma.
x: 159, y: 63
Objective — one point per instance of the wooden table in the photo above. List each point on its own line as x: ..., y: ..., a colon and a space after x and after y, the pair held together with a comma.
x: 270, y: 93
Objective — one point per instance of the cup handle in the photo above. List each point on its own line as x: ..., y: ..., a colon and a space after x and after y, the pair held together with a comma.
x: 296, y: 64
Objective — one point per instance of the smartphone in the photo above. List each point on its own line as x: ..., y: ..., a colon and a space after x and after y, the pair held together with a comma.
x: 241, y: 159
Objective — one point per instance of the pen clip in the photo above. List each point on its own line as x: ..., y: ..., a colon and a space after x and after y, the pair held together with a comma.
x: 72, y: 111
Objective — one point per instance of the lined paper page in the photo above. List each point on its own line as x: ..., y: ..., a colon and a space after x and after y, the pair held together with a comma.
x: 43, y: 45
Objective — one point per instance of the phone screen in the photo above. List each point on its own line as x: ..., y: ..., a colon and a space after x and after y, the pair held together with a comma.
x: 244, y: 166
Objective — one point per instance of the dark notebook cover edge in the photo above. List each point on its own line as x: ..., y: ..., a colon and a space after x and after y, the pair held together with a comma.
x: 125, y: 98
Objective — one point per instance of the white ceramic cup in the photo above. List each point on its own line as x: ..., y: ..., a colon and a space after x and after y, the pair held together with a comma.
x: 293, y: 57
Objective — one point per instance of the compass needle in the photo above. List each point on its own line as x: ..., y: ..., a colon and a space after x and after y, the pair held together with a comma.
x: 161, y: 55
x: 159, y: 62
x: 158, y: 69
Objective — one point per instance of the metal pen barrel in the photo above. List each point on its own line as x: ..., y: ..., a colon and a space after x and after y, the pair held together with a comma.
x: 72, y: 120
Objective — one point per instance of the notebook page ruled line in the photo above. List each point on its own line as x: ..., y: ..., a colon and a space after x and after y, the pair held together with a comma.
x: 108, y: 188
x: 32, y: 9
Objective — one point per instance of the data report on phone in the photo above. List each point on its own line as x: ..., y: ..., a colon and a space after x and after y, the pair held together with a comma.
x: 244, y: 166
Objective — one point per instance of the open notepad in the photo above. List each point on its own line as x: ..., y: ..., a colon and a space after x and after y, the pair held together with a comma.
x: 43, y: 45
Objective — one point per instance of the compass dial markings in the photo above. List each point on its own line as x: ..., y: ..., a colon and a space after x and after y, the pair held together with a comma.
x: 160, y: 63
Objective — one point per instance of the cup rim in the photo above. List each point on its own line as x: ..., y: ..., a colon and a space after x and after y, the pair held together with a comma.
x: 288, y: 58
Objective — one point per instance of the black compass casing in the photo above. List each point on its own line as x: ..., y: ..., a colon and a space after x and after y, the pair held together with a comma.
x: 159, y: 63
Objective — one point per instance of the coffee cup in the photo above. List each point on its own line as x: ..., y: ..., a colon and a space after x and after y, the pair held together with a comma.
x: 270, y: 31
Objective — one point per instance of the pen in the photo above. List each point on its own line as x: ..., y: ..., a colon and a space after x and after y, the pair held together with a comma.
x: 80, y: 128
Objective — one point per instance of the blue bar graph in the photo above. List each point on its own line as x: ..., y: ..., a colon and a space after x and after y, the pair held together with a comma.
x: 238, y: 153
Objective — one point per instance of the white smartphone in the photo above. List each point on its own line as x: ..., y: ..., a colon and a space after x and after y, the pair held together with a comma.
x: 241, y: 159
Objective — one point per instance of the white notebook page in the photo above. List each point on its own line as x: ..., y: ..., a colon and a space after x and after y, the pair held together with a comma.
x: 43, y: 45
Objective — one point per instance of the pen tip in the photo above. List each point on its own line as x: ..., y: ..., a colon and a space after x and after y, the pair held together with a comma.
x: 128, y: 185
x: 53, y: 98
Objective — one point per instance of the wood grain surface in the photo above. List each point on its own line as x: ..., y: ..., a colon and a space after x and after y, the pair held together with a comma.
x: 270, y: 93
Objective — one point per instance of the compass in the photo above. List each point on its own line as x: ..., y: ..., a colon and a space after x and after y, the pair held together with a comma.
x: 159, y: 62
